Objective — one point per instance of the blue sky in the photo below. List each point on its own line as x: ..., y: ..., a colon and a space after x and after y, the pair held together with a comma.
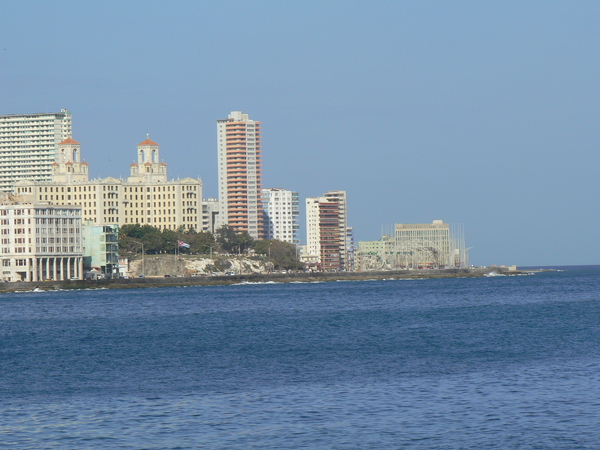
x: 483, y: 114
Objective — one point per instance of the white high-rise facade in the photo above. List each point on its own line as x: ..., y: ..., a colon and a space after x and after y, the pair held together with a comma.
x: 281, y: 215
x: 313, y: 245
x: 240, y: 174
x: 28, y: 145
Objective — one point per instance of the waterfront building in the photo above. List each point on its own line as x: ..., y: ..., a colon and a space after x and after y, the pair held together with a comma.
x: 312, y: 255
x: 281, y: 212
x: 210, y: 214
x: 240, y: 174
x: 416, y: 246
x: 101, y: 248
x: 325, y: 237
x: 39, y: 241
x: 28, y: 144
x: 326, y: 231
x: 146, y: 197
x: 350, y: 263
x: 372, y: 255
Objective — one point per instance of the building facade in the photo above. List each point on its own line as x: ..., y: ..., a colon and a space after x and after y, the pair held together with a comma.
x: 416, y: 246
x: 28, y: 145
x: 422, y: 245
x: 339, y: 197
x: 240, y: 174
x: 325, y: 237
x: 101, y: 248
x: 40, y: 241
x: 350, y: 262
x: 210, y: 214
x: 327, y: 231
x: 281, y: 212
x: 147, y: 197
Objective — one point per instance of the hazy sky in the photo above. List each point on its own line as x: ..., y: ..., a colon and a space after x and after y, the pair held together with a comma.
x: 484, y: 114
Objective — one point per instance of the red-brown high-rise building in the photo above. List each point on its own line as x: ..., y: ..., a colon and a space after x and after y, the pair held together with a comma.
x: 240, y: 174
x: 326, y: 231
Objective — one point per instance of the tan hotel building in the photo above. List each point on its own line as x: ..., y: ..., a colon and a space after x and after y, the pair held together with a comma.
x: 147, y: 197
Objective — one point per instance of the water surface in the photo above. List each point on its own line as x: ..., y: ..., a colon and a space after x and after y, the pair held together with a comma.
x: 502, y: 362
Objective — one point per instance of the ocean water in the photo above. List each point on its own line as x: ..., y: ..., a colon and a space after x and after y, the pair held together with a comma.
x: 486, y: 363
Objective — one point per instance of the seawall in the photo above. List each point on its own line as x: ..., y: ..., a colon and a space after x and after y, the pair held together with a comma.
x: 135, y: 283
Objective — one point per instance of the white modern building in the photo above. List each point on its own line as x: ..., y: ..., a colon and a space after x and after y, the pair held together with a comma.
x: 40, y: 241
x: 28, y: 144
x: 240, y: 174
x: 210, y: 214
x: 313, y: 245
x: 281, y: 212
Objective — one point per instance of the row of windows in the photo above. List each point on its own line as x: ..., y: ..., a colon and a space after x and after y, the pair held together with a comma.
x: 56, y: 230
x: 64, y: 249
x: 191, y: 219
x: 52, y: 240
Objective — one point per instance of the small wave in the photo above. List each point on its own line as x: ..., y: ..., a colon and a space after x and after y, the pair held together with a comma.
x: 245, y: 283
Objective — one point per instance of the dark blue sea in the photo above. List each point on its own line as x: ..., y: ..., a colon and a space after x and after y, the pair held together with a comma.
x: 473, y: 363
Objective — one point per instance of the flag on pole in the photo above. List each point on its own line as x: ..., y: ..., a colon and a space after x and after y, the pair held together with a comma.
x: 183, y: 244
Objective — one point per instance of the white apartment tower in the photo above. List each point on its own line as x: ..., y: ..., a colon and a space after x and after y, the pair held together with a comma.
x: 281, y: 215
x: 313, y: 245
x: 240, y: 174
x: 28, y: 145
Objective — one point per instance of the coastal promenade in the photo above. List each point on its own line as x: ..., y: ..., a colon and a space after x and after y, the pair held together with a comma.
x: 306, y: 277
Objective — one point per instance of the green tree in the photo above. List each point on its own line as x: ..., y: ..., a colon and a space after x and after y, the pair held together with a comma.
x: 226, y: 238
x: 232, y: 242
x: 282, y: 254
x: 157, y: 241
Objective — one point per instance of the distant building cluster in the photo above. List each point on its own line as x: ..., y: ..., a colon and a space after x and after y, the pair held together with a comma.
x: 416, y: 246
x: 56, y: 220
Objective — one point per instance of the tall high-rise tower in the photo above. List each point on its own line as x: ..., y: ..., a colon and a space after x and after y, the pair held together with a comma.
x: 29, y: 144
x: 240, y: 174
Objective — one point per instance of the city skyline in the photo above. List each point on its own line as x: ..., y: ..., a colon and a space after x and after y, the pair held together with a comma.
x: 479, y: 114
